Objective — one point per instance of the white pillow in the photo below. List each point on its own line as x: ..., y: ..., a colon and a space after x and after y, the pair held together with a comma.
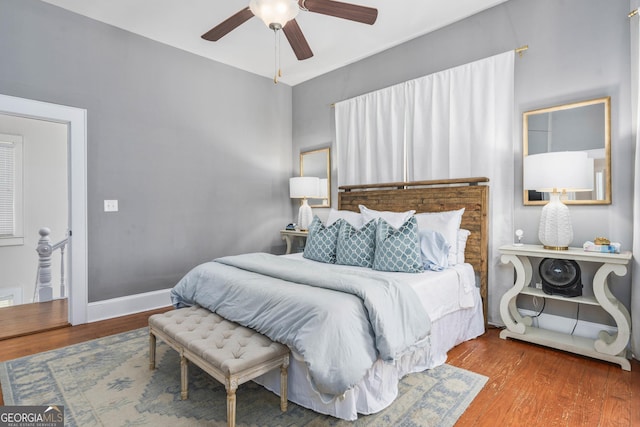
x: 446, y: 223
x: 353, y: 218
x: 463, y: 235
x: 394, y: 219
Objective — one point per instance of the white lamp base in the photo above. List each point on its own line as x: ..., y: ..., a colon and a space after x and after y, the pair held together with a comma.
x: 555, y: 230
x: 305, y: 215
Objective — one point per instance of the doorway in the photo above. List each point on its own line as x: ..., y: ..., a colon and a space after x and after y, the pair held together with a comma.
x: 74, y: 122
x: 34, y: 174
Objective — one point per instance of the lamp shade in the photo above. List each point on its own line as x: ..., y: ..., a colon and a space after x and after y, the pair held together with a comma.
x: 554, y: 173
x: 559, y: 171
x: 277, y: 12
x: 302, y: 187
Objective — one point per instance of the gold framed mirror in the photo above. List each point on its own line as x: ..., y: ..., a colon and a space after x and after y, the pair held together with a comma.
x: 318, y: 163
x: 578, y: 126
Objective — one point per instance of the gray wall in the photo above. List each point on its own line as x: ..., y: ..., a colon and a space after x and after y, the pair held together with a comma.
x: 197, y: 153
x: 578, y: 50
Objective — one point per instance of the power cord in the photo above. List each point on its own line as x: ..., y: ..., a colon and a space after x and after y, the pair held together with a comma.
x: 577, y: 319
x: 535, y: 304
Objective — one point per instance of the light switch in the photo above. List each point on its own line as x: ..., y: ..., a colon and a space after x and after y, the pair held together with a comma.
x: 111, y: 206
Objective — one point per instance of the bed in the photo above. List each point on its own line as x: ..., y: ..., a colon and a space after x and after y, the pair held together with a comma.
x: 370, y: 328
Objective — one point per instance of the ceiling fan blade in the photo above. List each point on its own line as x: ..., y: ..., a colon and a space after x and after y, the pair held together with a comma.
x: 296, y: 40
x: 352, y: 12
x: 226, y: 26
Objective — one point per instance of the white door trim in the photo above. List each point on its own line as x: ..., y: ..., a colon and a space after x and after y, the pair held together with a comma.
x: 76, y: 120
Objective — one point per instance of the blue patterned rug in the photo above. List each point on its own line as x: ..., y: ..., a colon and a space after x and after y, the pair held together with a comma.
x: 108, y: 382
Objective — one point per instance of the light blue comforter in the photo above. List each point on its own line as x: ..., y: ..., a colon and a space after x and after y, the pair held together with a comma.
x: 339, y: 334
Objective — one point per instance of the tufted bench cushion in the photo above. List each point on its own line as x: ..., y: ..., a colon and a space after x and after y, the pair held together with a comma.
x: 229, y: 352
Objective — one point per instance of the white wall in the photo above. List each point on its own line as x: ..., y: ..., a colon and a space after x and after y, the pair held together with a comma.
x: 578, y: 50
x: 197, y: 153
x: 45, y: 200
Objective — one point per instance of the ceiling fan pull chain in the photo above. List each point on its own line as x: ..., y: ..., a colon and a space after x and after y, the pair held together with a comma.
x: 279, y: 55
x: 277, y: 70
x: 275, y: 56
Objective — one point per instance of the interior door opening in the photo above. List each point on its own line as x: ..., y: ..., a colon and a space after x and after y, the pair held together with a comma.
x: 71, y: 121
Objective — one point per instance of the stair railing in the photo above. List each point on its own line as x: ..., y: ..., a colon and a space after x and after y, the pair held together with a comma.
x: 44, y: 290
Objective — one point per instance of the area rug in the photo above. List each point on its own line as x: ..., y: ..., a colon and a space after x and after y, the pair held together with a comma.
x: 108, y: 382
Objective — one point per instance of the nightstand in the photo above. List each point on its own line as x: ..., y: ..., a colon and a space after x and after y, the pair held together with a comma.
x: 290, y: 235
x: 609, y: 347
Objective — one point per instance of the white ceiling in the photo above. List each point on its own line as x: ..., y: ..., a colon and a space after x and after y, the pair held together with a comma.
x: 335, y: 42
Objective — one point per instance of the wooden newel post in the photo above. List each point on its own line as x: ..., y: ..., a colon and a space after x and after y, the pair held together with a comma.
x: 44, y: 249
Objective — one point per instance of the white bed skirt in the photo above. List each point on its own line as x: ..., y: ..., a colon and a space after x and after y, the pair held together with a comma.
x: 379, y: 388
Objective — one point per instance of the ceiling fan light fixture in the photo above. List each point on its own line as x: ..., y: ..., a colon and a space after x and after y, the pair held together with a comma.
x: 274, y: 13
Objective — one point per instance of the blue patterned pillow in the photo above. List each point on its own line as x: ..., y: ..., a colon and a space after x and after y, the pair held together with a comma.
x: 356, y: 246
x: 398, y: 249
x: 322, y: 241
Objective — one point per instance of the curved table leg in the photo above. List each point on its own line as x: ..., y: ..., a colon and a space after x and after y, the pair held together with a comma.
x: 287, y: 239
x: 615, y: 344
x: 508, y: 309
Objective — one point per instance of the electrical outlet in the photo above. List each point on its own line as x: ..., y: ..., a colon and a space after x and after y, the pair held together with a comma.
x: 111, y: 206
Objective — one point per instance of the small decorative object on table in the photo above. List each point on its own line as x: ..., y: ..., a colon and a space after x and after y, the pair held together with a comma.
x: 603, y: 245
x: 519, y: 234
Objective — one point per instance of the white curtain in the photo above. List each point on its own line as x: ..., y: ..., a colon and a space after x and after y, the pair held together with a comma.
x: 462, y: 126
x: 369, y: 138
x: 635, y: 273
x: 452, y: 124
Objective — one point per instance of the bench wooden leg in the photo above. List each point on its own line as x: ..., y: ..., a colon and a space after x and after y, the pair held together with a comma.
x: 231, y: 386
x: 152, y: 351
x: 184, y: 377
x: 283, y: 387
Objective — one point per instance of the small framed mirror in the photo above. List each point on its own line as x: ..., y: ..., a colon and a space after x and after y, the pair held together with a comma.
x: 579, y: 126
x: 318, y: 163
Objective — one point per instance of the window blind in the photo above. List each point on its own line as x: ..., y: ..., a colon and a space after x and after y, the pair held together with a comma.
x: 7, y: 189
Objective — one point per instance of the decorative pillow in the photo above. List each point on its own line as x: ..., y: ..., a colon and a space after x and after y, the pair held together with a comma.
x: 434, y: 250
x: 353, y: 218
x: 463, y: 235
x: 397, y: 249
x: 322, y: 241
x: 356, y: 247
x: 446, y: 223
x: 395, y: 219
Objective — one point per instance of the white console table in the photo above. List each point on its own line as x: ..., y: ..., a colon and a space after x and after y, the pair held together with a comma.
x: 289, y: 236
x: 609, y: 347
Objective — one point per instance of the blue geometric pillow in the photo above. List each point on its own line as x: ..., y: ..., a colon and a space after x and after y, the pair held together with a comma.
x: 322, y: 241
x: 398, y: 249
x: 356, y: 246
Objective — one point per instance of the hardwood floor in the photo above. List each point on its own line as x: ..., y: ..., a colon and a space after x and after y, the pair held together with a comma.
x: 537, y: 386
x: 26, y: 319
x: 528, y: 384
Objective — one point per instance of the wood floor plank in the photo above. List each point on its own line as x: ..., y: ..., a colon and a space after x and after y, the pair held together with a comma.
x: 582, y: 383
x: 614, y: 410
x: 528, y: 384
x: 26, y: 319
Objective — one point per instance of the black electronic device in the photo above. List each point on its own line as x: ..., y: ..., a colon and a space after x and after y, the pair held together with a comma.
x: 291, y: 226
x: 560, y: 277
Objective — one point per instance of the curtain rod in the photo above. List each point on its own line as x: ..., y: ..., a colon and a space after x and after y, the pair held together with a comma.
x: 633, y: 13
x: 519, y: 51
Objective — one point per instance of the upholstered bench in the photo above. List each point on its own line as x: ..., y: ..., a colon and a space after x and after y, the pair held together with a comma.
x: 230, y: 353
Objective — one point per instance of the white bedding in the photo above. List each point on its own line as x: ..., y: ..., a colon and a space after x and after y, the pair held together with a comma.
x: 454, y: 305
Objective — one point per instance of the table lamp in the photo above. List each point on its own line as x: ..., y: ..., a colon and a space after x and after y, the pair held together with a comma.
x: 304, y: 187
x: 557, y: 173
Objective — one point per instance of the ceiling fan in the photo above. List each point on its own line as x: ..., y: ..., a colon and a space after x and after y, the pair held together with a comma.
x: 280, y: 14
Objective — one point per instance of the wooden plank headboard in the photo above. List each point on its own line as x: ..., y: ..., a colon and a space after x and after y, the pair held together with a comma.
x: 434, y: 196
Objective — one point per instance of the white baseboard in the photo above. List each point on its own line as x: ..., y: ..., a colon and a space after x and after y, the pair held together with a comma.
x: 565, y: 325
x: 131, y: 304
